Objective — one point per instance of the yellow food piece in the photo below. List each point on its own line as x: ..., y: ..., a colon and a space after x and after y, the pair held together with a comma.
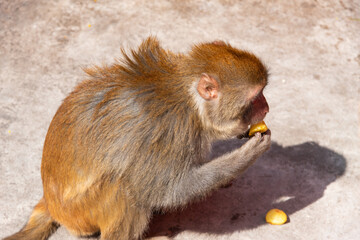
x: 258, y: 127
x: 276, y: 217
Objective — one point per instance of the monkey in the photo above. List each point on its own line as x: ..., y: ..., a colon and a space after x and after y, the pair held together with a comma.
x: 134, y: 137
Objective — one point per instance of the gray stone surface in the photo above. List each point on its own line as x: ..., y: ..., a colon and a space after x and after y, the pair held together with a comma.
x: 312, y: 48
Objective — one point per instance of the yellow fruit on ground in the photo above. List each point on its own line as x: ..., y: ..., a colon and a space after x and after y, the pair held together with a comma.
x: 276, y: 217
x: 258, y: 127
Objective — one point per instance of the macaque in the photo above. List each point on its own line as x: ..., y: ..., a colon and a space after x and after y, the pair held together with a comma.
x: 134, y: 138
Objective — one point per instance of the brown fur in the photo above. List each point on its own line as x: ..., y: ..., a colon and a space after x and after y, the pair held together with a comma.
x: 135, y: 137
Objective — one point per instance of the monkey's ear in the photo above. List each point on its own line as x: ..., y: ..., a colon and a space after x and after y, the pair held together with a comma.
x: 208, y: 87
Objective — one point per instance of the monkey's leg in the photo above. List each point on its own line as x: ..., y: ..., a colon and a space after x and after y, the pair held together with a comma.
x: 129, y: 226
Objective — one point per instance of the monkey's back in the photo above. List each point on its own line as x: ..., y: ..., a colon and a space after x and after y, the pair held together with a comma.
x: 112, y: 137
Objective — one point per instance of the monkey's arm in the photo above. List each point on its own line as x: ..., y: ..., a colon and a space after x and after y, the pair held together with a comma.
x: 199, y: 181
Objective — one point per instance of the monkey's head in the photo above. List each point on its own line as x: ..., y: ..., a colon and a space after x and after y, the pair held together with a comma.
x: 229, y: 88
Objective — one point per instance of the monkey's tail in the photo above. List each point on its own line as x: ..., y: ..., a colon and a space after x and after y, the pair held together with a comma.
x: 39, y: 227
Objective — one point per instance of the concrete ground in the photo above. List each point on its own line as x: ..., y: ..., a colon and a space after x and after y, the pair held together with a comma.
x: 312, y: 48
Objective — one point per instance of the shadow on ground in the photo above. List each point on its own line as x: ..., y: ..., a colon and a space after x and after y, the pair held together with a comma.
x: 289, y: 178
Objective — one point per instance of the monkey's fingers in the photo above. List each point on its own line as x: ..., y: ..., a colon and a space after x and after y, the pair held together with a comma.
x: 246, y: 134
x: 268, y: 132
x: 263, y: 135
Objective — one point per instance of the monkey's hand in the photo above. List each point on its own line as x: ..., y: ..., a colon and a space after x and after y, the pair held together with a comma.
x: 257, y: 144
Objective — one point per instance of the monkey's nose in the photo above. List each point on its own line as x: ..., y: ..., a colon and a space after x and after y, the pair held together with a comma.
x: 266, y: 109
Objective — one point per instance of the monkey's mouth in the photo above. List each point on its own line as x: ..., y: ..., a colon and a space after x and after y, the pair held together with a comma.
x: 244, y: 134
